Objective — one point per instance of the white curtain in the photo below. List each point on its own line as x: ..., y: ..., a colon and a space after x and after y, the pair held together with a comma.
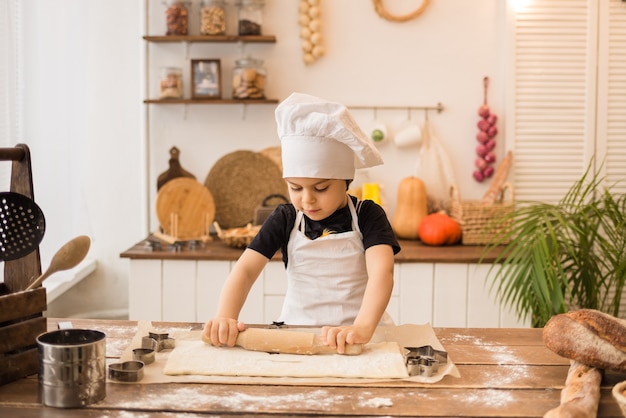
x: 10, y: 82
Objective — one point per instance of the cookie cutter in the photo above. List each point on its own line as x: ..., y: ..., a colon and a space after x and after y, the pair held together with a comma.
x: 424, y: 360
x: 127, y: 371
x: 145, y: 355
x: 158, y: 341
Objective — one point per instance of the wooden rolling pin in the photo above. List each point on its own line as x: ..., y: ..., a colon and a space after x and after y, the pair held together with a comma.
x: 287, y: 342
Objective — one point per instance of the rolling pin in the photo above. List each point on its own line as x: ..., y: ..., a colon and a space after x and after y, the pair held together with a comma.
x: 287, y: 342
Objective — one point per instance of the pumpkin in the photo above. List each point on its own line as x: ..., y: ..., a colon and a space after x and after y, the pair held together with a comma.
x: 439, y: 229
x: 411, y: 208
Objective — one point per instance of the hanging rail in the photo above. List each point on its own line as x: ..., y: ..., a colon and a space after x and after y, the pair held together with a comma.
x: 439, y: 107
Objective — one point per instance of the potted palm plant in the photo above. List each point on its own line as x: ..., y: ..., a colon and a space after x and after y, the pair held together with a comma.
x: 562, y: 256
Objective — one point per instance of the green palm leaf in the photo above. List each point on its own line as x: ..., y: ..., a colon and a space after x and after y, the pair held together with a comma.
x: 568, y: 255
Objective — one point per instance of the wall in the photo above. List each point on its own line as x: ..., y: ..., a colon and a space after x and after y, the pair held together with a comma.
x: 82, y: 121
x: 96, y: 174
x: 442, y: 56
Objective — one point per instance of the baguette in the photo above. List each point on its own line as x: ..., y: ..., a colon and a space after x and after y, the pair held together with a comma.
x: 589, y: 337
x: 499, y: 180
x: 580, y: 396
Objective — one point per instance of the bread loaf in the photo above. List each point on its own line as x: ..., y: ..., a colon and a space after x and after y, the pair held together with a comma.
x: 581, y: 395
x: 606, y: 326
x: 590, y: 337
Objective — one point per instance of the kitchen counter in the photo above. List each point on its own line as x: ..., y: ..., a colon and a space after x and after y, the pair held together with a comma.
x: 504, y: 372
x: 412, y: 252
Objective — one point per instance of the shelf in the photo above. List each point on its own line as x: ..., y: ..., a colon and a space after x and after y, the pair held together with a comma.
x: 211, y: 101
x: 214, y: 38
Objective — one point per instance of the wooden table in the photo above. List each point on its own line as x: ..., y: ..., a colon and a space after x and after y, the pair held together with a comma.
x: 505, y: 372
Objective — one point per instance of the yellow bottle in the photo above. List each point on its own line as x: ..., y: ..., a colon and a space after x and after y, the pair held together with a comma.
x: 371, y: 191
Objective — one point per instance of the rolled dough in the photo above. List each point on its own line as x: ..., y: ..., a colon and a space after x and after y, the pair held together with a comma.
x: 192, y: 356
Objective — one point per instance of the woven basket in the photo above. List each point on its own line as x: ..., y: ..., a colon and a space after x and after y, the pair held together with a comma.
x: 480, y: 221
x: 237, y: 237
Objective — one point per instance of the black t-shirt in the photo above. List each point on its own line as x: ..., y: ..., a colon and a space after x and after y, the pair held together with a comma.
x: 276, y: 229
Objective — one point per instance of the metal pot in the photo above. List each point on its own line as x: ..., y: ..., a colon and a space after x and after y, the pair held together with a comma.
x: 72, y: 367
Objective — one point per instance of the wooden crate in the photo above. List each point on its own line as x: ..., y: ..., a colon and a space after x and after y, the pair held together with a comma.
x: 21, y: 321
x: 21, y: 311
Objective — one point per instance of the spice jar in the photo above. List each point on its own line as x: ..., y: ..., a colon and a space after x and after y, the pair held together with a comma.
x: 250, y: 17
x: 176, y: 17
x: 212, y: 17
x: 249, y: 79
x: 171, y: 84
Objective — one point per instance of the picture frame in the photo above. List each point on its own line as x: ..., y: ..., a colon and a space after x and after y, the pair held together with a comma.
x: 206, y: 79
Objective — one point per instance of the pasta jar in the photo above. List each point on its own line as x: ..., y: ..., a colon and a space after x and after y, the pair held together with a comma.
x: 171, y: 83
x: 249, y: 79
x: 176, y: 17
x: 250, y: 17
x: 212, y: 17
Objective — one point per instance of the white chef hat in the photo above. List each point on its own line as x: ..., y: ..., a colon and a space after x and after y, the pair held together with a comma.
x: 321, y: 139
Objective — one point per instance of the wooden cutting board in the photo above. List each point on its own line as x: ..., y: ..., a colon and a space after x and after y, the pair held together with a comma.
x: 274, y: 154
x: 175, y: 169
x: 185, y: 208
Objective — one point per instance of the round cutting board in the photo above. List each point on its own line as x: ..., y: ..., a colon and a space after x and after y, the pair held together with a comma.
x: 239, y: 182
x: 185, y: 208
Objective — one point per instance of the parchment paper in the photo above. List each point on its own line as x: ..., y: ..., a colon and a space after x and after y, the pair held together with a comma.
x: 408, y: 335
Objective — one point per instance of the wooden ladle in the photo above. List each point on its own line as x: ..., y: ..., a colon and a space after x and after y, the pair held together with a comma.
x: 68, y: 256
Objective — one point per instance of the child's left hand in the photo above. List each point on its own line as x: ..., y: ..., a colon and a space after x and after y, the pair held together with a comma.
x: 338, y: 337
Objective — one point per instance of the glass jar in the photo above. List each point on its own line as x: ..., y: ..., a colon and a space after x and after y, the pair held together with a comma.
x: 249, y: 79
x: 176, y: 17
x: 171, y: 83
x: 250, y: 17
x: 212, y: 17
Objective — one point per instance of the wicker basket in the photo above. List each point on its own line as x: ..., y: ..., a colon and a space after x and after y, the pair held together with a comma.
x: 237, y: 237
x: 479, y: 221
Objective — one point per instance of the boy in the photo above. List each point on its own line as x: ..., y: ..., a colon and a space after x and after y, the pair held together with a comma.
x: 338, y: 252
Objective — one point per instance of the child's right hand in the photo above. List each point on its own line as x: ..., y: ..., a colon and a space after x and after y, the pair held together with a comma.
x: 222, y: 331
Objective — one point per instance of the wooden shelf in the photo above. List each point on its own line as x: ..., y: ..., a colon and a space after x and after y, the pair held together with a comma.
x: 211, y: 101
x: 215, y: 38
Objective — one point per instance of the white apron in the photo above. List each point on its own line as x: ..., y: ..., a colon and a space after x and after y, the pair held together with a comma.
x: 326, y: 277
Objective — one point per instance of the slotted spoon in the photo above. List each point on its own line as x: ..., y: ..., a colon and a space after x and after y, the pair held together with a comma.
x: 22, y: 226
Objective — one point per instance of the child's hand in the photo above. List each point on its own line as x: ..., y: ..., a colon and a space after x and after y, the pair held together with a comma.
x: 222, y: 331
x: 338, y: 337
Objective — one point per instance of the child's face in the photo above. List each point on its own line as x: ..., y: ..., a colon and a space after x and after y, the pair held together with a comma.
x: 317, y: 198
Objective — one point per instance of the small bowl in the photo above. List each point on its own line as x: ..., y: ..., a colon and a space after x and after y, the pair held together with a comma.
x: 619, y: 393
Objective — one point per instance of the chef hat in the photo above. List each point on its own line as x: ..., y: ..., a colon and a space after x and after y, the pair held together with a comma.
x: 320, y: 139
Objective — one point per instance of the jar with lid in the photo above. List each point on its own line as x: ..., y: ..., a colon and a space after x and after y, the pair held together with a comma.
x: 212, y: 17
x: 176, y: 17
x: 171, y: 83
x: 250, y: 17
x: 249, y: 79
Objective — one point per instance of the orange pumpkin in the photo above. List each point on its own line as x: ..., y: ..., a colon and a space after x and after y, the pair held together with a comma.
x: 439, y: 229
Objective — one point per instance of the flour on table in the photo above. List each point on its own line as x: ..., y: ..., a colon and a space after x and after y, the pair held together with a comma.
x: 194, y: 357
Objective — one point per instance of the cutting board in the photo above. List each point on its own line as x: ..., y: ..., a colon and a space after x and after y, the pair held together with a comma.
x: 175, y: 169
x: 274, y: 154
x: 185, y: 208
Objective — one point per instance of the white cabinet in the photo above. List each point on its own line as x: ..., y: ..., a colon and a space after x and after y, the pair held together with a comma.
x: 443, y: 294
